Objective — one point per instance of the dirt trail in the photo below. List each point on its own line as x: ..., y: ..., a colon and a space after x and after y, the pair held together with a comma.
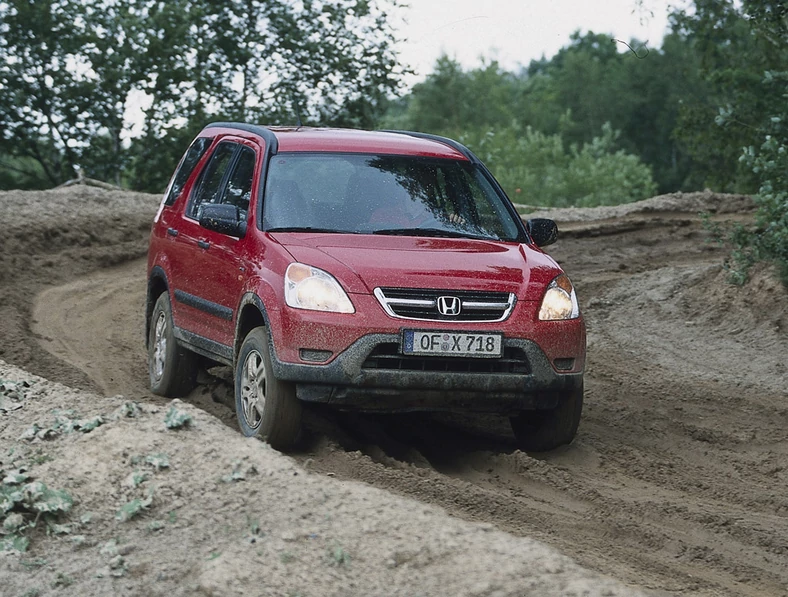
x: 678, y: 481
x: 66, y: 320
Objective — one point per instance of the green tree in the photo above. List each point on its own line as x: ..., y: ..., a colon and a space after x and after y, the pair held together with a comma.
x: 743, y: 126
x: 539, y: 169
x: 768, y: 157
x: 638, y: 89
x: 320, y: 62
x: 451, y: 100
x: 21, y: 173
x: 586, y: 79
x: 69, y: 68
x: 728, y: 111
x: 42, y: 101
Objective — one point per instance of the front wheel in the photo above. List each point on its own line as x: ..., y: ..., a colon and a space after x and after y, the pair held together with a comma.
x: 172, y: 369
x: 544, y: 430
x: 266, y: 407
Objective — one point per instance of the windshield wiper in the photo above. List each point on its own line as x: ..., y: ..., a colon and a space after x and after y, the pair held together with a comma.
x: 307, y: 229
x: 436, y: 232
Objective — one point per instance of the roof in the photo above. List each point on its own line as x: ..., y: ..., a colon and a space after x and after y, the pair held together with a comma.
x: 319, y: 139
x: 352, y: 141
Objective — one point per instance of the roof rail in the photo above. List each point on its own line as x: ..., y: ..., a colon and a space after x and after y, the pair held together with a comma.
x: 445, y: 140
x: 257, y: 129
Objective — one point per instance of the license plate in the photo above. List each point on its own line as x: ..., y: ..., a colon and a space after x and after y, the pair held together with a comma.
x: 452, y: 344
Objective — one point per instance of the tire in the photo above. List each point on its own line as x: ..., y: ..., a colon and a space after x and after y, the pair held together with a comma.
x: 172, y: 368
x: 266, y: 407
x: 544, y: 430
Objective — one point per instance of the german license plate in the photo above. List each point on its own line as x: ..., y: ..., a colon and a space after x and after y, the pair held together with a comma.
x: 452, y: 344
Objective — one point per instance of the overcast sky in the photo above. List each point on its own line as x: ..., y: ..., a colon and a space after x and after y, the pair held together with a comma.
x: 515, y: 32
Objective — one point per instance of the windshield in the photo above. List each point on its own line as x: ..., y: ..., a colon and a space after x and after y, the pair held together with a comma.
x: 368, y: 194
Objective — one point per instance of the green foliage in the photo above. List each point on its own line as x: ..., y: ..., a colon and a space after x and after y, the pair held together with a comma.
x: 337, y: 556
x: 12, y: 394
x: 524, y: 127
x: 118, y: 566
x: 66, y: 421
x: 155, y: 525
x: 25, y: 503
x: 72, y: 70
x: 133, y: 508
x: 62, y: 580
x: 538, y: 169
x: 40, y: 97
x: 597, y: 79
x: 20, y: 172
x: 726, y: 112
x: 128, y: 409
x: 745, y: 51
x: 136, y: 478
x: 176, y: 419
x: 239, y: 472
x: 452, y: 100
x: 769, y: 162
x: 158, y: 460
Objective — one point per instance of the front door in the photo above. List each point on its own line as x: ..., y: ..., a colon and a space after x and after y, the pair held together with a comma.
x: 211, y: 273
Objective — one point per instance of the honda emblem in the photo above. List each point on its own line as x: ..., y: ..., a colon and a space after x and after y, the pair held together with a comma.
x: 449, y: 305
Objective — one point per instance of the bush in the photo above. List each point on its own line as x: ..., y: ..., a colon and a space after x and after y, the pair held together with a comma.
x: 23, y: 504
x: 768, y: 241
x: 537, y: 169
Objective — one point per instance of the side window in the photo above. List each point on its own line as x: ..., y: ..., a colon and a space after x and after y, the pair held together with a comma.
x: 210, y: 186
x: 239, y: 187
x: 196, y: 150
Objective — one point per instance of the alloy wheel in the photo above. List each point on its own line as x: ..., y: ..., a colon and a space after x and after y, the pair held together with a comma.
x: 159, y: 346
x: 253, y: 386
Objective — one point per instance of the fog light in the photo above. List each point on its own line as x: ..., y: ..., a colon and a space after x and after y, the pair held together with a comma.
x: 314, y: 356
x: 564, y: 364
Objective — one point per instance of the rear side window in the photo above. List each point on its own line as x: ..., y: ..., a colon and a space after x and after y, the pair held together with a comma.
x: 193, y: 155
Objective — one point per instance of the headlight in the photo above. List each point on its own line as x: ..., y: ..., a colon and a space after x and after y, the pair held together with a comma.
x: 307, y: 287
x: 560, y: 301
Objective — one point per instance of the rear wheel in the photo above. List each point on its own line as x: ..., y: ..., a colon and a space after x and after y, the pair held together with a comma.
x: 543, y: 430
x: 172, y: 369
x: 266, y: 407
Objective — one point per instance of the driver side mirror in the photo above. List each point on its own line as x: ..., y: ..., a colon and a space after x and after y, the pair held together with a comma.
x: 543, y: 231
x: 224, y: 218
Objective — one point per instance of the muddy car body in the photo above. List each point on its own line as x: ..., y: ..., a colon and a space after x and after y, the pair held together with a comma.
x: 382, y: 271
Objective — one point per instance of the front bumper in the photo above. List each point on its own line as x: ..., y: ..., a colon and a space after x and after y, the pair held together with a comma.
x: 356, y: 380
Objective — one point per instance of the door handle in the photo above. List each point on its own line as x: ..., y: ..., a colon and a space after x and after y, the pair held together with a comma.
x: 172, y: 232
x: 203, y: 244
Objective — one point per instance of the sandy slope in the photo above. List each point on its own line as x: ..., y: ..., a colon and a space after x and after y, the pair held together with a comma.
x: 278, y: 531
x: 677, y: 481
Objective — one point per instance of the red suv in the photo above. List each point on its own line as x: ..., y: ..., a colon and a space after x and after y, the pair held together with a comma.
x: 378, y: 271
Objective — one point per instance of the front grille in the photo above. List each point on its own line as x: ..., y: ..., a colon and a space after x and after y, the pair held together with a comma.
x: 387, y: 356
x: 419, y: 303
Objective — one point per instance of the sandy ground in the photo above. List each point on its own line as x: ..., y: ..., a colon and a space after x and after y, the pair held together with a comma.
x: 676, y: 484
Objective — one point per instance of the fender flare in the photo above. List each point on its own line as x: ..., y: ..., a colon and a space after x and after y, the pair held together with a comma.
x: 157, y: 273
x: 250, y: 298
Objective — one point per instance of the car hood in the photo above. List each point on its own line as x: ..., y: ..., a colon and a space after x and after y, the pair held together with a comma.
x: 364, y: 262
